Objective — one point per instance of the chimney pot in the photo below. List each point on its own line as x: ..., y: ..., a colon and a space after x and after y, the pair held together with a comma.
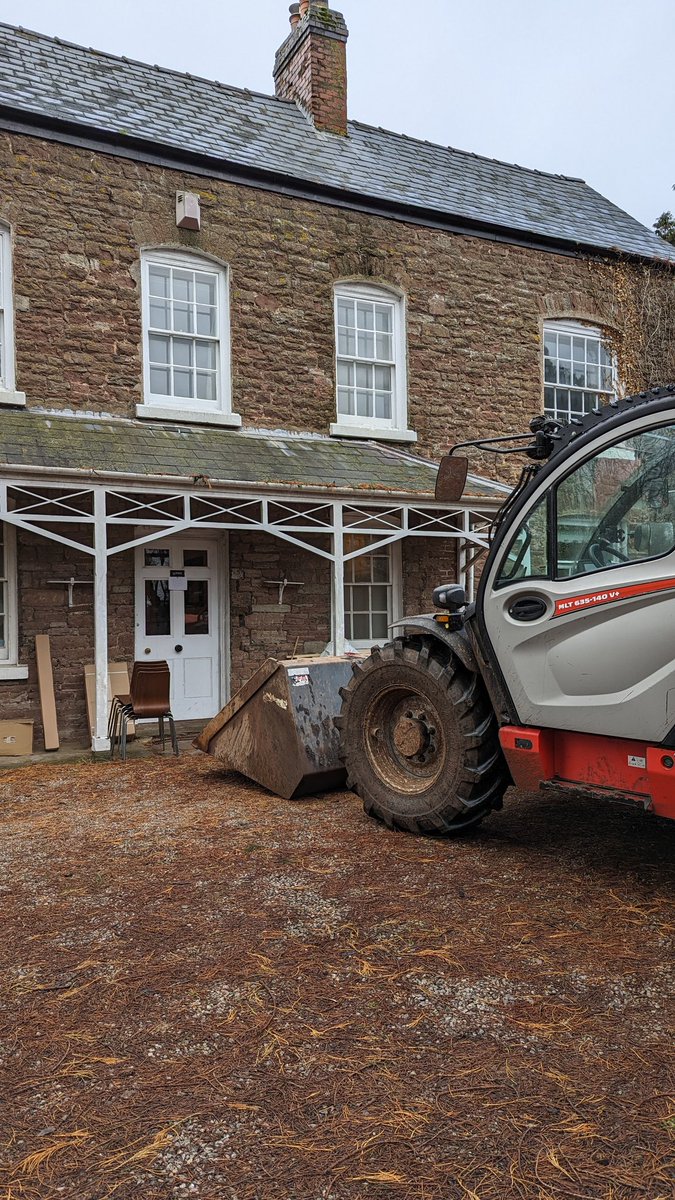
x: 294, y: 10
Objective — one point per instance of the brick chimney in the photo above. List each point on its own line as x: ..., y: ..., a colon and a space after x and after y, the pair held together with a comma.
x: 311, y: 66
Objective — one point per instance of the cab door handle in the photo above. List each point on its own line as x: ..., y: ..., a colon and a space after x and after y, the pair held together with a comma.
x: 527, y: 608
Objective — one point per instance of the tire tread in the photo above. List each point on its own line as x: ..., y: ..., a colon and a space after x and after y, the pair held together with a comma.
x: 483, y: 777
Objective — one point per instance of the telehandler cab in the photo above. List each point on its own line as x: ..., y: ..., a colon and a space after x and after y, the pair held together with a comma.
x: 563, y: 670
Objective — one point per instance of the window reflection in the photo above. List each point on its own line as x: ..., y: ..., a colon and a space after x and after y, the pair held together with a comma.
x: 579, y: 372
x: 157, y: 608
x: 157, y: 557
x: 619, y: 506
x: 368, y: 592
x: 197, y: 606
x: 527, y: 555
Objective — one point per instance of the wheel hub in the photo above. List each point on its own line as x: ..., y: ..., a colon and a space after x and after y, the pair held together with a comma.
x: 408, y: 737
x: 403, y: 739
x: 412, y: 736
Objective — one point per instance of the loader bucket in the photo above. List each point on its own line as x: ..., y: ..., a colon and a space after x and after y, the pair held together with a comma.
x: 279, y: 728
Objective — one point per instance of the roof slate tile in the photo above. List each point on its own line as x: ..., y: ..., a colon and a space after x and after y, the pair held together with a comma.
x: 55, y: 442
x: 46, y: 76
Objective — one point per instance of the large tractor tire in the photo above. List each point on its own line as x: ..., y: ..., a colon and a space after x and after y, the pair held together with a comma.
x: 419, y: 739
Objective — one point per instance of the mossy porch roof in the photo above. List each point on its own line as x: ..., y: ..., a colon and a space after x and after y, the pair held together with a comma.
x: 106, y: 447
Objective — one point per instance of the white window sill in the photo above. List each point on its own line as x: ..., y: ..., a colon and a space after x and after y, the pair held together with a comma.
x: 12, y: 671
x: 16, y: 398
x: 195, y: 416
x: 370, y: 432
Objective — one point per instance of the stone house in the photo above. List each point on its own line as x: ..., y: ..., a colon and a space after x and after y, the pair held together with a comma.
x: 236, y: 331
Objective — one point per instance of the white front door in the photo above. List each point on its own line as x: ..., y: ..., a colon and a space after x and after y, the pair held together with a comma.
x: 178, y: 619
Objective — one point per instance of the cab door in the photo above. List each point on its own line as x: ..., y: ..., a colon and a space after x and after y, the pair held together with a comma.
x: 579, y: 605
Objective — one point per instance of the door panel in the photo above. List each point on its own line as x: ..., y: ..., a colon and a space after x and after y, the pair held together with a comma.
x: 580, y: 608
x: 198, y: 681
x: 597, y: 670
x: 177, y: 619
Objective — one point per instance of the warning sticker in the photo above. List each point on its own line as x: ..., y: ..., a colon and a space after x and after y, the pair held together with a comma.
x: 298, y: 676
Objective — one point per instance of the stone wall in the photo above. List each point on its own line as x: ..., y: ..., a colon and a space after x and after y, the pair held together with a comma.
x: 427, y: 562
x: 474, y: 307
x: 260, y: 627
x: 43, y: 608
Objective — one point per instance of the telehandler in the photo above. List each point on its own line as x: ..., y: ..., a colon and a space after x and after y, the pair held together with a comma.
x: 562, y: 672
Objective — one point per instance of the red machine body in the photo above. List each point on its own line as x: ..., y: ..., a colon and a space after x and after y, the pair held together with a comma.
x: 614, y: 767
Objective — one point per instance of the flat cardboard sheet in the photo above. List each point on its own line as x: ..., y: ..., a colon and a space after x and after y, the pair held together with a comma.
x: 46, y: 683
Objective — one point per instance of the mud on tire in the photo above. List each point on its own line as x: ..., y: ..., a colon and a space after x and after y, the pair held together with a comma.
x: 419, y: 739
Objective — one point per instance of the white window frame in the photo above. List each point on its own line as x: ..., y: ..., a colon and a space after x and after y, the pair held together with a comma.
x: 395, y: 592
x: 179, y: 408
x: 8, y: 392
x: 577, y: 329
x: 390, y: 430
x: 9, y: 653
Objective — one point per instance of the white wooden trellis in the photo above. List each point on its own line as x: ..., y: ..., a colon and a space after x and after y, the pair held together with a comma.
x: 88, y: 518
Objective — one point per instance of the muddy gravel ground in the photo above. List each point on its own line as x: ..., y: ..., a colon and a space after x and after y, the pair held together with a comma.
x: 213, y: 993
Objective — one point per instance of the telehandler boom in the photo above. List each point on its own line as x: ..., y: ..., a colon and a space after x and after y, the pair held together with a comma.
x: 563, y: 670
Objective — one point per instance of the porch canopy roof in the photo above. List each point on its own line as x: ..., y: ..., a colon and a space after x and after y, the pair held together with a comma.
x: 102, y: 485
x: 101, y: 447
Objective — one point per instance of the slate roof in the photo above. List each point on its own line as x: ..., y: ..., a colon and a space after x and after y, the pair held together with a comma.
x: 107, y: 447
x: 244, y: 130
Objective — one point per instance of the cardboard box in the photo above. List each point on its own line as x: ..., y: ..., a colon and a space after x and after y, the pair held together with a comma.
x: 16, y: 737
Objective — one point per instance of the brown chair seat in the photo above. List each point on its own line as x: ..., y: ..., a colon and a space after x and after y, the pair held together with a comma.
x: 149, y: 697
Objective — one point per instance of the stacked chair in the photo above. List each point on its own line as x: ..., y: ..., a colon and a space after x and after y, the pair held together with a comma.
x: 149, y: 698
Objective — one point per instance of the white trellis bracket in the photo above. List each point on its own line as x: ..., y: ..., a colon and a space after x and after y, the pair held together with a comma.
x: 70, y: 585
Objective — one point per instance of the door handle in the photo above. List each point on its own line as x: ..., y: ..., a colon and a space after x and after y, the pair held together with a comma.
x: 178, y: 649
x: 527, y: 608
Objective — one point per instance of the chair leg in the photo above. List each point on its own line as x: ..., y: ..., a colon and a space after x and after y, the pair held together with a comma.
x: 123, y: 735
x: 174, y: 739
x: 112, y: 724
x: 117, y: 731
x: 161, y: 733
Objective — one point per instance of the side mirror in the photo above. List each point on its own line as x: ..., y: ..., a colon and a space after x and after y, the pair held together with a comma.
x: 450, y: 596
x: 653, y: 537
x: 451, y: 478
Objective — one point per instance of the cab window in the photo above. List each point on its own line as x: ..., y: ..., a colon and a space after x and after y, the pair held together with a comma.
x: 619, y: 506
x: 527, y: 555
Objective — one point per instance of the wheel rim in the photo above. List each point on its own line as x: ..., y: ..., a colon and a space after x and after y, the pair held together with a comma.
x: 404, y: 740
